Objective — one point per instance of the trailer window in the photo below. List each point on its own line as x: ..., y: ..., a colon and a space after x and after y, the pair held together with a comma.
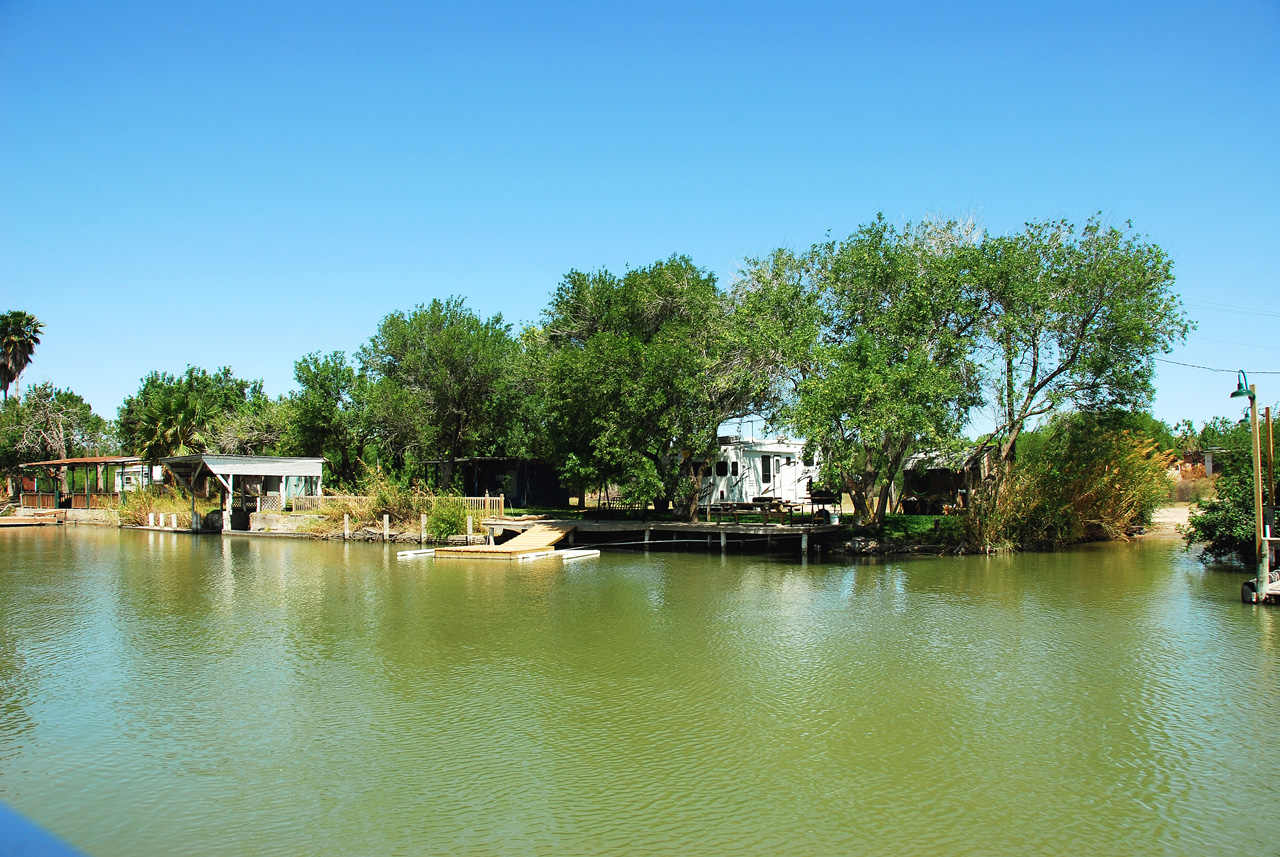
x: 722, y: 468
x: 765, y: 476
x: 733, y: 468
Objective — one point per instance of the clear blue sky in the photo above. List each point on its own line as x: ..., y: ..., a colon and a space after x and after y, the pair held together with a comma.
x: 227, y: 183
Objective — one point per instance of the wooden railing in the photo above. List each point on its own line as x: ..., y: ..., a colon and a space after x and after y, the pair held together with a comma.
x: 311, y: 504
x: 33, y: 500
x: 94, y: 501
x: 487, y: 506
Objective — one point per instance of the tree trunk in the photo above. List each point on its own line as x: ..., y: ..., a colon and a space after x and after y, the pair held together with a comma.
x: 696, y: 475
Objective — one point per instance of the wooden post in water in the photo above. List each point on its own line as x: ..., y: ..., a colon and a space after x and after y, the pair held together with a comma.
x: 422, y: 532
x: 386, y: 527
x: 1259, y: 555
x: 346, y: 526
x: 1271, y: 470
x: 804, y: 544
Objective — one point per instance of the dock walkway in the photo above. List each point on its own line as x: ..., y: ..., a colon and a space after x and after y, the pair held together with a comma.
x: 660, y: 533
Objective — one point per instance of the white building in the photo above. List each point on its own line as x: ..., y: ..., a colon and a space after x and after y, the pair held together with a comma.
x: 747, y: 469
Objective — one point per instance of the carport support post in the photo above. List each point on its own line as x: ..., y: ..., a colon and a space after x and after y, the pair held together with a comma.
x: 226, y: 503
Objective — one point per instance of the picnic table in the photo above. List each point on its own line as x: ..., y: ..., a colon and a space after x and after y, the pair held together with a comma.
x: 766, y: 507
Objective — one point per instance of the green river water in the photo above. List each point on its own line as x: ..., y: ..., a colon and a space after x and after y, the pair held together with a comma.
x: 162, y: 694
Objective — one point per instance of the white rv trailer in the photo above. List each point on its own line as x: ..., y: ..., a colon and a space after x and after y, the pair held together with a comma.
x: 747, y: 469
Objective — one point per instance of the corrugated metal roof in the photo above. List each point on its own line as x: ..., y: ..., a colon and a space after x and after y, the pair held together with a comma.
x: 94, y: 459
x: 251, y: 465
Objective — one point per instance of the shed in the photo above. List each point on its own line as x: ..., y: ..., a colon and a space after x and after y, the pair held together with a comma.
x: 250, y: 483
x: 91, y: 482
x: 524, y: 481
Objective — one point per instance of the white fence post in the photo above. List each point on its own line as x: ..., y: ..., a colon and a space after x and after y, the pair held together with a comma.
x: 346, y: 526
x: 151, y: 519
x: 386, y: 527
x: 422, y: 535
x: 173, y: 521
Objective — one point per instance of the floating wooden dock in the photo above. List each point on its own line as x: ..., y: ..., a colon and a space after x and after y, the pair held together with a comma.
x: 28, y: 522
x: 538, y: 539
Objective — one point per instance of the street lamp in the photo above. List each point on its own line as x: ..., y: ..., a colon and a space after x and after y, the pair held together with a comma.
x: 1261, y: 553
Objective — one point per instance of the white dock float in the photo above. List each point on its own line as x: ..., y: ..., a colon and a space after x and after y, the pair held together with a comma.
x: 565, y: 555
x: 577, y: 553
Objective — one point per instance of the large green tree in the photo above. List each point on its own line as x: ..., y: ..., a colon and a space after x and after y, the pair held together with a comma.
x: 324, y: 414
x: 19, y: 335
x: 894, y: 322
x: 1076, y: 319
x: 438, y: 384
x: 641, y: 370
x: 49, y: 423
x: 185, y: 412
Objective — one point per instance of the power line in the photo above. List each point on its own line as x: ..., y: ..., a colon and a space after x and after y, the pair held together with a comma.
x: 1241, y: 344
x: 1211, y: 369
x: 1212, y: 306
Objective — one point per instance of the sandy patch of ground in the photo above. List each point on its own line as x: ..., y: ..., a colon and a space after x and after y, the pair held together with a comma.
x: 1170, y: 518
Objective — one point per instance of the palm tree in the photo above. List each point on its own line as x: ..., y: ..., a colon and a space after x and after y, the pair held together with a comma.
x: 19, y: 336
x: 175, y: 425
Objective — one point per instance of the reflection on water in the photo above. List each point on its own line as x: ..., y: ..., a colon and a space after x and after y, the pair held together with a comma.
x: 164, y: 694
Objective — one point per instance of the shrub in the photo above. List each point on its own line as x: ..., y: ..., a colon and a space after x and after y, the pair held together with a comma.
x: 446, y: 514
x: 135, y: 506
x: 1225, y: 524
x: 1083, y: 482
x: 448, y: 517
x: 1192, y: 490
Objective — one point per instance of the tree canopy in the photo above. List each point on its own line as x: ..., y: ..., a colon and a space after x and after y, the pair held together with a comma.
x: 868, y: 348
x: 1076, y: 319
x: 437, y: 384
x: 891, y: 366
x: 639, y: 372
